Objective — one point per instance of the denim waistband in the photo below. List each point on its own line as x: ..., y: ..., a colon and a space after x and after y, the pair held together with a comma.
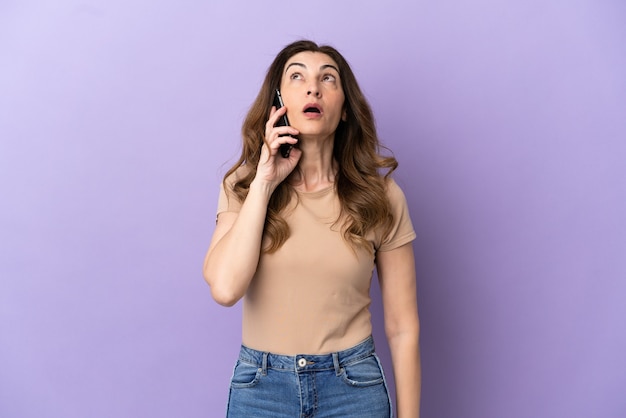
x: 307, y: 362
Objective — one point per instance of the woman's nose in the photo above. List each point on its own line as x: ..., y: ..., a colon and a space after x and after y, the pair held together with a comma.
x: 313, y: 91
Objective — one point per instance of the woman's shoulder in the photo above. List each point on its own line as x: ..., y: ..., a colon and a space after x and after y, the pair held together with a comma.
x: 235, y: 176
x: 394, y: 191
x: 229, y: 200
x: 402, y: 231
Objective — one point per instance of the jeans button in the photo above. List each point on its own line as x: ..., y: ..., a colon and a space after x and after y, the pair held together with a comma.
x: 302, y: 362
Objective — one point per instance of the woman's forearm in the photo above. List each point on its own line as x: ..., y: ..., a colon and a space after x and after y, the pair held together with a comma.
x: 407, y: 371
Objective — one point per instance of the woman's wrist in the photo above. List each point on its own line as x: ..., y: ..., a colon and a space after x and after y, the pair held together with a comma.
x: 264, y: 188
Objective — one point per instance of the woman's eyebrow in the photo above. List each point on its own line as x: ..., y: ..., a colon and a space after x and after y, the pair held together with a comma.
x: 323, y: 67
x: 299, y: 64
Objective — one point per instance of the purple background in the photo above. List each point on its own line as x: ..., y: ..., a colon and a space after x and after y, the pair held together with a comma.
x: 118, y: 119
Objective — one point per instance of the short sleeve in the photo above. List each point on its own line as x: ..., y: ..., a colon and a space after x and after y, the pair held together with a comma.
x: 228, y: 201
x: 402, y: 231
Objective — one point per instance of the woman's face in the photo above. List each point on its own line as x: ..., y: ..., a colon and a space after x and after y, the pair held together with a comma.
x: 312, y: 92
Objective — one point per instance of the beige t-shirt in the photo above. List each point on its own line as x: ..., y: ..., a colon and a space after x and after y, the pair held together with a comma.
x: 312, y: 295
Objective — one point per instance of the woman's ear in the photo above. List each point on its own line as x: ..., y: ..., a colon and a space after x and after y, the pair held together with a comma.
x: 344, y: 115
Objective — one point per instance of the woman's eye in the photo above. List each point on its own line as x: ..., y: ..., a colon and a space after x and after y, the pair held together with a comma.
x: 296, y: 76
x: 328, y: 77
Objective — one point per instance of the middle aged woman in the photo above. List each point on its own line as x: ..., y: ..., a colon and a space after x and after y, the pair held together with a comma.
x: 298, y: 238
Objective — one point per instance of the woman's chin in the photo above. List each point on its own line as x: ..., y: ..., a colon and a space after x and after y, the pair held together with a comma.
x: 315, y: 135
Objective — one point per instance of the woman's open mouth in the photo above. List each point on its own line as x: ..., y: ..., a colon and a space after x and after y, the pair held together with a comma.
x: 313, y: 110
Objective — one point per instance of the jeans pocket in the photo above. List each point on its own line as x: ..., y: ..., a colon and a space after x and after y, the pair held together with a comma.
x: 245, y: 375
x: 365, y: 372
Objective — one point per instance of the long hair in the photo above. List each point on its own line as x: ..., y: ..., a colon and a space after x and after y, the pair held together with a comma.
x: 362, y: 170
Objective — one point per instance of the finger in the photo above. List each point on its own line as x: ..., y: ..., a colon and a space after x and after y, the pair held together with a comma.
x: 275, y: 114
x: 276, y: 142
x: 295, y: 154
x: 275, y: 132
x: 284, y: 131
x: 274, y: 146
x: 271, y: 123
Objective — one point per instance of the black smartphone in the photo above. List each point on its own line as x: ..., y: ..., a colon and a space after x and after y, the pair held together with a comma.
x: 285, y: 149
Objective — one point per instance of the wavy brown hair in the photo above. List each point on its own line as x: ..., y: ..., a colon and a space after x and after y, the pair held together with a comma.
x: 362, y: 169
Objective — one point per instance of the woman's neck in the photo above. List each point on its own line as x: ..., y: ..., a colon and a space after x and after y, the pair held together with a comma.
x: 317, y: 168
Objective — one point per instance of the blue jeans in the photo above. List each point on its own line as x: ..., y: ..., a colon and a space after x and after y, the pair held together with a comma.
x: 349, y: 383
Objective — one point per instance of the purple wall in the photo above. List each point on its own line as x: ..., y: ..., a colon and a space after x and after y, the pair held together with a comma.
x: 117, y: 120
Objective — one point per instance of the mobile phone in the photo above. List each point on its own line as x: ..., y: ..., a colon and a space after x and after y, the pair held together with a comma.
x: 285, y: 149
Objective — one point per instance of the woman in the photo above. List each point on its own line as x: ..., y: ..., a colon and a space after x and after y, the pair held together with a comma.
x: 299, y: 237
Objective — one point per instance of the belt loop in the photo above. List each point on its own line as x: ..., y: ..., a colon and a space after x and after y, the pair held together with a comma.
x: 264, y: 365
x: 336, y: 364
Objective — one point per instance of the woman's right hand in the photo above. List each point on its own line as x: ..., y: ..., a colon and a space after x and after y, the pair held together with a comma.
x: 273, y: 168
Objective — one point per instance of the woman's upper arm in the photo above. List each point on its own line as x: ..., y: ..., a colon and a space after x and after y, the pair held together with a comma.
x: 223, y: 224
x: 396, y: 274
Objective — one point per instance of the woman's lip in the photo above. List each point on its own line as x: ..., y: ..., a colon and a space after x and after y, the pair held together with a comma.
x: 314, y: 106
x: 312, y: 115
